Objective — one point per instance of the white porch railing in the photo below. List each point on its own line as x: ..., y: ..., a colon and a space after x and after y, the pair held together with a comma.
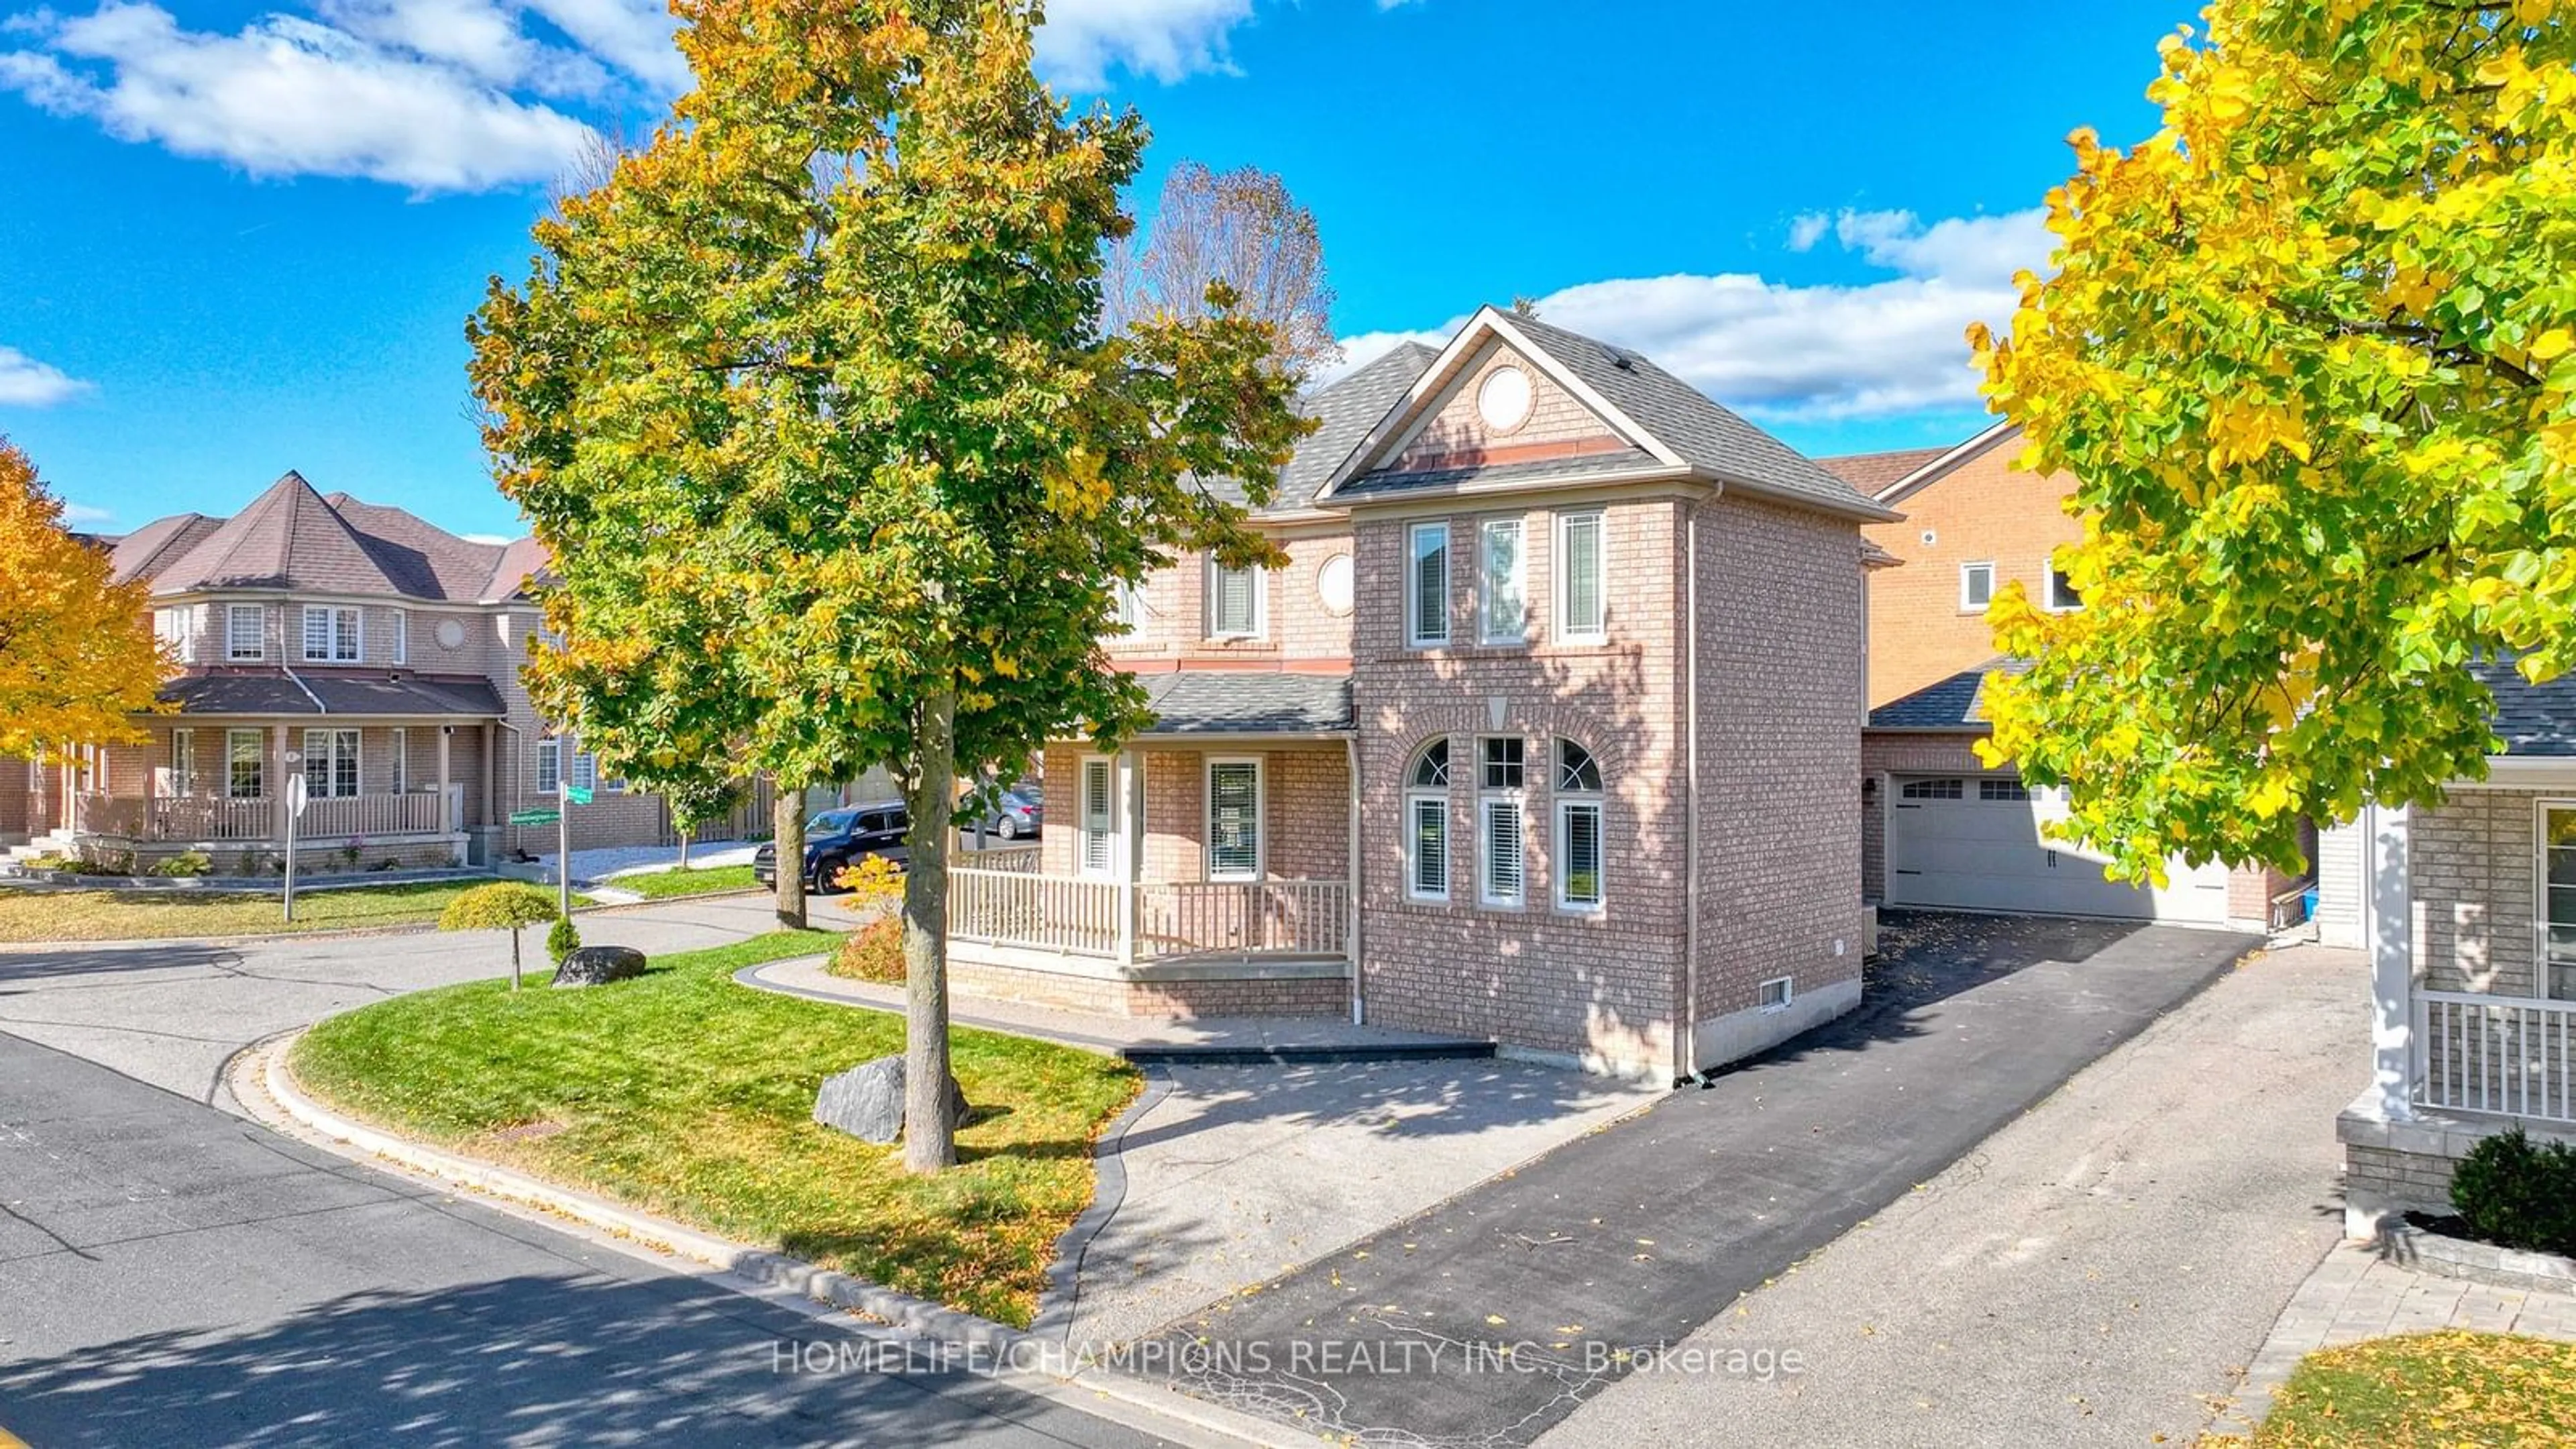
x: 2479, y: 1053
x: 213, y: 817
x: 1190, y: 918
x: 1088, y: 916
x: 368, y: 816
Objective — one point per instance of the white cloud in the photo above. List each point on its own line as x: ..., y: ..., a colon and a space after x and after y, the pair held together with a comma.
x: 82, y: 515
x: 1792, y: 353
x: 1165, y: 39
x: 27, y: 383
x: 483, y: 538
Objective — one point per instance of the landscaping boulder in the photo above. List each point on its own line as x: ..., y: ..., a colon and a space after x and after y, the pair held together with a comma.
x: 867, y: 1101
x: 599, y: 965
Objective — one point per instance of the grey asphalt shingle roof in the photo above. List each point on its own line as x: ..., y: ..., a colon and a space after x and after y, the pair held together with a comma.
x: 1344, y: 410
x: 291, y: 537
x: 2531, y: 719
x: 1589, y: 465
x: 1955, y: 703
x: 274, y: 693
x: 1247, y: 702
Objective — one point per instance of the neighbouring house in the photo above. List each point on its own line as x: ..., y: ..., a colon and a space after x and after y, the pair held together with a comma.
x: 1939, y: 828
x: 1542, y: 734
x: 372, y: 653
x: 2468, y: 911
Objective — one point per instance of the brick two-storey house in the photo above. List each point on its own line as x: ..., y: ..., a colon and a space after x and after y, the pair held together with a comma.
x: 1545, y: 732
x: 355, y: 644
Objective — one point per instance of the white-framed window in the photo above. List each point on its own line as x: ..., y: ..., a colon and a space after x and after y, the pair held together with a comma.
x: 1127, y: 606
x: 245, y: 765
x: 1426, y: 585
x: 399, y: 742
x: 1234, y: 819
x: 2006, y: 791
x: 1236, y: 608
x: 330, y: 763
x: 399, y: 620
x: 1426, y: 824
x: 549, y: 766
x: 1580, y: 859
x: 2556, y: 919
x: 1582, y: 607
x: 1951, y: 789
x: 330, y: 634
x: 177, y: 628
x: 1500, y: 769
x: 181, y: 776
x: 245, y: 632
x: 1099, y: 820
x: 1502, y: 583
x: 1775, y: 993
x: 2062, y: 597
x: 1976, y: 587
x: 585, y: 770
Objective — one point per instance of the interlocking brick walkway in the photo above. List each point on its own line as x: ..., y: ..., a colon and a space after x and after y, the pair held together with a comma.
x: 2356, y: 1294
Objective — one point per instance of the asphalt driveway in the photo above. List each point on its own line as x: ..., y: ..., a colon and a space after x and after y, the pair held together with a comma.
x: 1492, y: 1317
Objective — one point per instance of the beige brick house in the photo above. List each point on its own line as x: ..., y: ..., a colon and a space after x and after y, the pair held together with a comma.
x: 357, y: 645
x: 1544, y: 734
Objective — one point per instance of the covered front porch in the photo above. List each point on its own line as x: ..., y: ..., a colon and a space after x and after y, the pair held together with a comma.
x: 1197, y: 873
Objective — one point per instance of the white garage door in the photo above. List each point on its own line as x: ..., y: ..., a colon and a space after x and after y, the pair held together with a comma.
x: 1974, y: 843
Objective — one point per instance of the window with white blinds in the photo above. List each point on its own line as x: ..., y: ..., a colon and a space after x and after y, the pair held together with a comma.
x: 1582, y: 613
x: 1502, y: 605
x: 330, y: 634
x: 1427, y: 585
x: 1502, y: 817
x: 1099, y: 819
x: 1234, y: 820
x: 1579, y: 854
x: 1234, y: 602
x: 1426, y: 808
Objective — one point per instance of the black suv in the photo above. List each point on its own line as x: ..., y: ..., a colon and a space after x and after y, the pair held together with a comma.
x: 838, y: 838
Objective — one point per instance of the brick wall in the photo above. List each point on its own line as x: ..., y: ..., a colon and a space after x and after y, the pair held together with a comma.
x: 1454, y: 424
x: 2470, y: 866
x: 1305, y: 808
x: 1297, y: 625
x: 1983, y: 511
x: 1780, y: 606
x: 2419, y: 1180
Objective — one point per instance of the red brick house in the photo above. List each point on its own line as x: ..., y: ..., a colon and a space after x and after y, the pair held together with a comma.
x: 1545, y: 733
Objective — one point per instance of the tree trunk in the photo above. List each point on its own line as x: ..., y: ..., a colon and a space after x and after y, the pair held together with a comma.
x: 929, y: 1138
x: 790, y: 843
x: 514, y: 958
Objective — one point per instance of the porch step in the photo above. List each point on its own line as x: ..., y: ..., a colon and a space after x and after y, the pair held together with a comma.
x: 1196, y: 1055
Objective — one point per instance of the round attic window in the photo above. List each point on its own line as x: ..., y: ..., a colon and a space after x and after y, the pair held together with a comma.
x: 451, y: 634
x: 1333, y: 585
x: 1503, y: 401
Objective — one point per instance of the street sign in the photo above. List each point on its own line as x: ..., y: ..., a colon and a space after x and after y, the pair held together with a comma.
x: 576, y: 795
x: 297, y: 791
x: 535, y: 817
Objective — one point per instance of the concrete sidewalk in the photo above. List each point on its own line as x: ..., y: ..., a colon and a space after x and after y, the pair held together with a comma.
x: 2098, y: 1272
x: 1114, y: 1035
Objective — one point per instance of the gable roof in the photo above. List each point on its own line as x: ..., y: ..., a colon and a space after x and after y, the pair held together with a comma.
x: 1667, y: 423
x: 1344, y: 411
x: 1870, y: 472
x: 1936, y: 467
x: 291, y: 537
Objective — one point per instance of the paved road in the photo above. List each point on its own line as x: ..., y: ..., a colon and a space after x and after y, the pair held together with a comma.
x: 1489, y: 1319
x: 170, y: 1273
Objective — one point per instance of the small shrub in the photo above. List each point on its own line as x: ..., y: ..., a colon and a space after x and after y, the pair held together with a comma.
x: 2518, y: 1193
x: 874, y: 952
x: 187, y: 863
x: 248, y: 864
x: 562, y: 940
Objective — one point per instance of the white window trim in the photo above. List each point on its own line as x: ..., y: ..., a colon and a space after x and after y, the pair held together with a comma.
x: 259, y: 747
x: 2048, y: 572
x: 1127, y: 607
x: 1566, y: 805
x: 1966, y: 604
x: 233, y: 615
x: 1260, y: 818
x: 183, y: 742
x: 400, y: 620
x: 2540, y: 892
x: 1563, y: 576
x: 1414, y: 800
x: 1519, y: 579
x: 1108, y: 869
x: 1418, y: 631
x: 331, y: 638
x: 1260, y: 603
x: 1487, y: 838
x: 537, y: 768
x: 585, y: 771
x: 1788, y: 993
x: 330, y: 757
x: 398, y: 741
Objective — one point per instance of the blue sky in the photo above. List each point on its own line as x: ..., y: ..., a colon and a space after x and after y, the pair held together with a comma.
x: 236, y: 239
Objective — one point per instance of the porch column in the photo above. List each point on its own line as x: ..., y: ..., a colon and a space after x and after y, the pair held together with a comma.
x: 1131, y: 853
x: 278, y: 827
x: 2392, y: 966
x: 447, y: 822
x: 491, y: 775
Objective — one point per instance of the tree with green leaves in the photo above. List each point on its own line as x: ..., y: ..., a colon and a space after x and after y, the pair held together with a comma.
x: 2310, y: 352
x: 822, y: 366
x: 504, y: 905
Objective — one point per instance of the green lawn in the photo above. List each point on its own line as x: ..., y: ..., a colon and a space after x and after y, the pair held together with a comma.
x: 662, y: 885
x: 27, y: 915
x: 688, y: 1095
x: 2427, y: 1391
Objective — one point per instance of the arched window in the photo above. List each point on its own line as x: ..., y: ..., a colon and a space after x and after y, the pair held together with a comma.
x: 1426, y: 824
x: 1578, y: 828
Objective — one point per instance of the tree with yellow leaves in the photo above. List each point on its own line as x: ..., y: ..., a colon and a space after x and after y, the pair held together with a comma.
x: 77, y: 658
x: 811, y: 402
x: 2311, y: 352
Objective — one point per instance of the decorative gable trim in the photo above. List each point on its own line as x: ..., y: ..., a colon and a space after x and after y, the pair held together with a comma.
x: 1941, y: 467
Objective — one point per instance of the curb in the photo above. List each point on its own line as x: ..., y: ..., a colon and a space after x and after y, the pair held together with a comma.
x: 1056, y: 1307
x: 264, y: 1063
